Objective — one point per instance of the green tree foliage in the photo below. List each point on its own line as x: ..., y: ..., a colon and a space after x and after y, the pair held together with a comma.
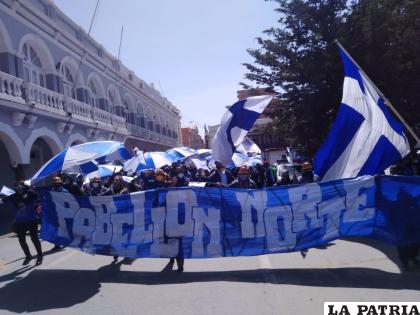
x: 384, y: 37
x: 300, y: 60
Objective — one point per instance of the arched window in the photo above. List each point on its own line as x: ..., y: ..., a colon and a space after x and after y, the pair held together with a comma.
x: 32, y: 66
x: 68, y: 81
x: 140, y: 115
x: 129, y: 117
x: 111, y: 97
x: 93, y: 94
x: 115, y: 102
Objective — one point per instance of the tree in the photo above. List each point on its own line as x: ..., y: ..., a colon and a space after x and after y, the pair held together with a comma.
x: 300, y: 60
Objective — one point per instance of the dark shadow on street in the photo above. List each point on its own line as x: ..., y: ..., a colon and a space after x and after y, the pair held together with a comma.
x: 44, y: 253
x: 390, y: 251
x: 52, y: 289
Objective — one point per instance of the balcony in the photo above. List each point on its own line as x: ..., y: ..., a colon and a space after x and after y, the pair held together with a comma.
x: 118, y: 121
x: 101, y: 116
x: 45, y: 100
x: 137, y: 131
x: 42, y: 98
x: 11, y: 87
x: 77, y: 109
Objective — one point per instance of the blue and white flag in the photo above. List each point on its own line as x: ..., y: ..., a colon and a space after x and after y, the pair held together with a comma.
x: 6, y: 191
x: 204, y: 153
x: 83, y: 158
x: 200, y: 163
x: 235, y: 124
x: 365, y: 139
x: 136, y: 163
x: 104, y: 171
x: 290, y: 155
x: 248, y: 147
x: 155, y: 160
x: 238, y: 159
x: 181, y: 153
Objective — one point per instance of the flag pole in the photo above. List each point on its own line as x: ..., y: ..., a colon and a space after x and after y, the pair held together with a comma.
x: 85, y: 46
x: 386, y: 100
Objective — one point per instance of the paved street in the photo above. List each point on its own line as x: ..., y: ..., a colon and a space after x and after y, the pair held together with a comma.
x: 71, y: 282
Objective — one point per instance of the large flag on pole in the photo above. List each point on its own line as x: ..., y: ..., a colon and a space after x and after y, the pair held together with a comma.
x: 248, y: 147
x: 235, y: 124
x: 365, y: 139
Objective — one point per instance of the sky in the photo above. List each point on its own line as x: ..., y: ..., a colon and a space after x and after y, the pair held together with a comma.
x: 191, y: 50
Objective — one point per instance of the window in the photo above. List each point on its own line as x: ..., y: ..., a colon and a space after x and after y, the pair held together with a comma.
x: 116, y: 64
x: 128, y: 117
x: 111, y: 97
x: 130, y: 76
x: 68, y: 81
x: 119, y: 111
x: 32, y: 66
x: 79, y: 35
x: 93, y: 95
x: 50, y: 11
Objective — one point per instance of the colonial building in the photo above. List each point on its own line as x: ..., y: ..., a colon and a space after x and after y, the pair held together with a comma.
x: 59, y: 87
x: 191, y: 138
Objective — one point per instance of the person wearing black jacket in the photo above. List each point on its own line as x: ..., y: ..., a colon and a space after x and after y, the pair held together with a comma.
x: 118, y: 187
x: 268, y: 174
x: 24, y: 203
x: 407, y: 253
x: 180, y: 179
x: 96, y: 187
x: 244, y: 181
x: 260, y: 176
x: 221, y: 176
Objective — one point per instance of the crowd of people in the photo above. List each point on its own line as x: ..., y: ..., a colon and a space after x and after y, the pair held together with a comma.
x: 27, y: 209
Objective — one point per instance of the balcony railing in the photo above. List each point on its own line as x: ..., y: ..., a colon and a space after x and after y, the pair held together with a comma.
x: 101, y: 115
x: 10, y: 85
x: 38, y: 95
x: 118, y: 121
x: 137, y: 131
x: 77, y: 108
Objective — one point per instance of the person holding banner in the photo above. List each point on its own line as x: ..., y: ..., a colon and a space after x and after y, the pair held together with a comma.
x: 117, y: 188
x: 244, y: 181
x: 221, y: 176
x: 181, y: 179
x: 407, y: 253
x: 25, y: 202
x: 57, y: 185
x: 307, y: 174
x: 96, y: 188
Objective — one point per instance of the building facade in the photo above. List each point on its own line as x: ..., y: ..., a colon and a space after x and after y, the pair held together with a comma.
x: 59, y: 87
x: 191, y: 138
